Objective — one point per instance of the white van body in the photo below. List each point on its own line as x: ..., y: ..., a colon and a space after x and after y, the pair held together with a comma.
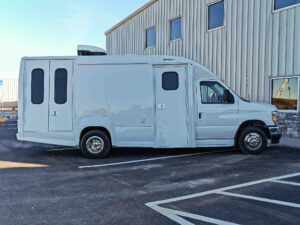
x: 124, y: 96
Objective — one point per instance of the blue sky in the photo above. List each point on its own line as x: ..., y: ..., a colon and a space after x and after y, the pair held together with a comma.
x: 55, y: 27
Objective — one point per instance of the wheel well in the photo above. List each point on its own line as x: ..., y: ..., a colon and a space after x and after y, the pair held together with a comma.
x: 252, y: 123
x: 87, y: 129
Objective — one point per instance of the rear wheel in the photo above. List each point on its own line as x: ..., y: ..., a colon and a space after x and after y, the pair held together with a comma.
x: 252, y: 140
x: 95, y: 144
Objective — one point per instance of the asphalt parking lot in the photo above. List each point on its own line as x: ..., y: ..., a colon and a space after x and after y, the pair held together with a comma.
x: 44, y: 184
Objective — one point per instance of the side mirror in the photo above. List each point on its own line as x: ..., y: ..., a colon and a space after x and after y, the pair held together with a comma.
x: 228, y: 97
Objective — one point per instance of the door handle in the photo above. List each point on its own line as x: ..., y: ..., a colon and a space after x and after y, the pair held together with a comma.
x: 200, y: 116
x: 54, y: 113
x: 161, y: 106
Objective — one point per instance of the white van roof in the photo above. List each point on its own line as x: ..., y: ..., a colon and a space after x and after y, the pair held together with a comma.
x: 199, y: 69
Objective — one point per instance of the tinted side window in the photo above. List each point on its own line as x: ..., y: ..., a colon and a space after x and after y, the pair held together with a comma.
x: 214, y: 93
x: 170, y: 81
x: 37, y: 86
x: 216, y: 15
x: 61, y: 82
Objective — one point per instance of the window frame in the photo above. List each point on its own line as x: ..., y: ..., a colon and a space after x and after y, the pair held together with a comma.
x: 207, y: 16
x: 211, y: 103
x: 271, y: 93
x: 43, y: 99
x: 285, y: 8
x: 170, y: 28
x: 162, y: 81
x: 66, y: 100
x: 145, y: 44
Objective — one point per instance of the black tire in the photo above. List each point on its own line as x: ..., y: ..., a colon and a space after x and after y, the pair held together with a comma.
x: 245, y: 146
x: 103, y: 143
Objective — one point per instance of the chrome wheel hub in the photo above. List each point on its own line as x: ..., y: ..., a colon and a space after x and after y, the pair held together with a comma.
x: 253, y: 141
x: 95, y: 144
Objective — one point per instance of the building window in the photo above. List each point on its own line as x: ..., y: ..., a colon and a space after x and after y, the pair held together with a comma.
x: 175, y: 28
x: 150, y: 37
x: 285, y: 93
x: 216, y: 15
x: 61, y: 82
x: 279, y: 4
x: 37, y: 86
x: 213, y: 92
x: 170, y: 81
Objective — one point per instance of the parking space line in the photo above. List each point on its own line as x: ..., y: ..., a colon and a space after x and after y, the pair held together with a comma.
x: 151, y: 159
x: 175, y: 215
x: 286, y: 182
x: 260, y: 199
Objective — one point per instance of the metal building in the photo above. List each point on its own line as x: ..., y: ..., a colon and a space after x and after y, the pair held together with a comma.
x: 252, y: 45
x: 8, y: 92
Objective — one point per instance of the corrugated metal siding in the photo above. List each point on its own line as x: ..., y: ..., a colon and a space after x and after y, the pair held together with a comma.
x: 254, y: 45
x: 9, y: 90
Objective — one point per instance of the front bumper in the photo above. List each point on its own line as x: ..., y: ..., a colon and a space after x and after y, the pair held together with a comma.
x: 275, y: 135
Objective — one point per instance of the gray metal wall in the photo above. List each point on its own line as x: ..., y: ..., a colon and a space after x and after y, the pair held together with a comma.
x: 9, y: 90
x: 254, y: 45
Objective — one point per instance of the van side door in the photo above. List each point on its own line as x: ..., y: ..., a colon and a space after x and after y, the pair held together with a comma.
x: 217, y: 111
x: 61, y: 98
x: 36, y: 92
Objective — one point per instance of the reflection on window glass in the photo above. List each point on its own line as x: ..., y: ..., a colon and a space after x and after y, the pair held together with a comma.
x: 176, y: 28
x: 150, y: 37
x: 216, y: 15
x: 214, y: 93
x: 170, y: 81
x: 37, y: 86
x: 279, y: 4
x: 61, y: 82
x: 285, y: 93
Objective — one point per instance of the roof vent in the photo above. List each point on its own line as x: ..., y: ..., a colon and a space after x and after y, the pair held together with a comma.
x: 85, y: 50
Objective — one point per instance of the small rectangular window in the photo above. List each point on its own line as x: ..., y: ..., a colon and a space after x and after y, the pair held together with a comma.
x: 175, y: 28
x: 61, y: 82
x: 37, y: 86
x: 150, y: 37
x: 279, y: 4
x: 216, y: 15
x: 170, y: 81
x: 285, y: 93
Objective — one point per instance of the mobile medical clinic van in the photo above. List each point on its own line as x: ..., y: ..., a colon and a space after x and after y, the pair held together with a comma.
x: 98, y: 102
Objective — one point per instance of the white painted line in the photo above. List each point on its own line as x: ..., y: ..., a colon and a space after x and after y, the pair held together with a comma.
x: 12, y: 128
x: 61, y: 149
x: 152, y: 159
x: 175, y: 216
x: 7, y: 125
x: 224, y: 189
x: 286, y: 182
x: 290, y: 204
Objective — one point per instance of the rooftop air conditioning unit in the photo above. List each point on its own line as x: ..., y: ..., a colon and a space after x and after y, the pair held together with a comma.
x: 85, y: 50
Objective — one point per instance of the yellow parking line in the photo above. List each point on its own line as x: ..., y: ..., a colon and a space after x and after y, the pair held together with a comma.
x: 2, y: 121
x: 8, y: 164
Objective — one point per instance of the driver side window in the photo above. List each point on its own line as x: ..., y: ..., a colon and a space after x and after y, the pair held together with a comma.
x: 213, y: 92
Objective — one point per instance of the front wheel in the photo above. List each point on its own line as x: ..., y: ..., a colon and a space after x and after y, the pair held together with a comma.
x: 95, y: 144
x: 252, y: 140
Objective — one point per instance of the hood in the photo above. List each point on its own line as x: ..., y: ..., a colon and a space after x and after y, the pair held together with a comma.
x: 256, y: 107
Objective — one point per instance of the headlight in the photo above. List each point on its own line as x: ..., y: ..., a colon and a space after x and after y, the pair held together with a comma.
x: 274, y: 117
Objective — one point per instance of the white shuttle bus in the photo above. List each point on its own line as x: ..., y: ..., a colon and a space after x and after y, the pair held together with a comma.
x: 98, y: 102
